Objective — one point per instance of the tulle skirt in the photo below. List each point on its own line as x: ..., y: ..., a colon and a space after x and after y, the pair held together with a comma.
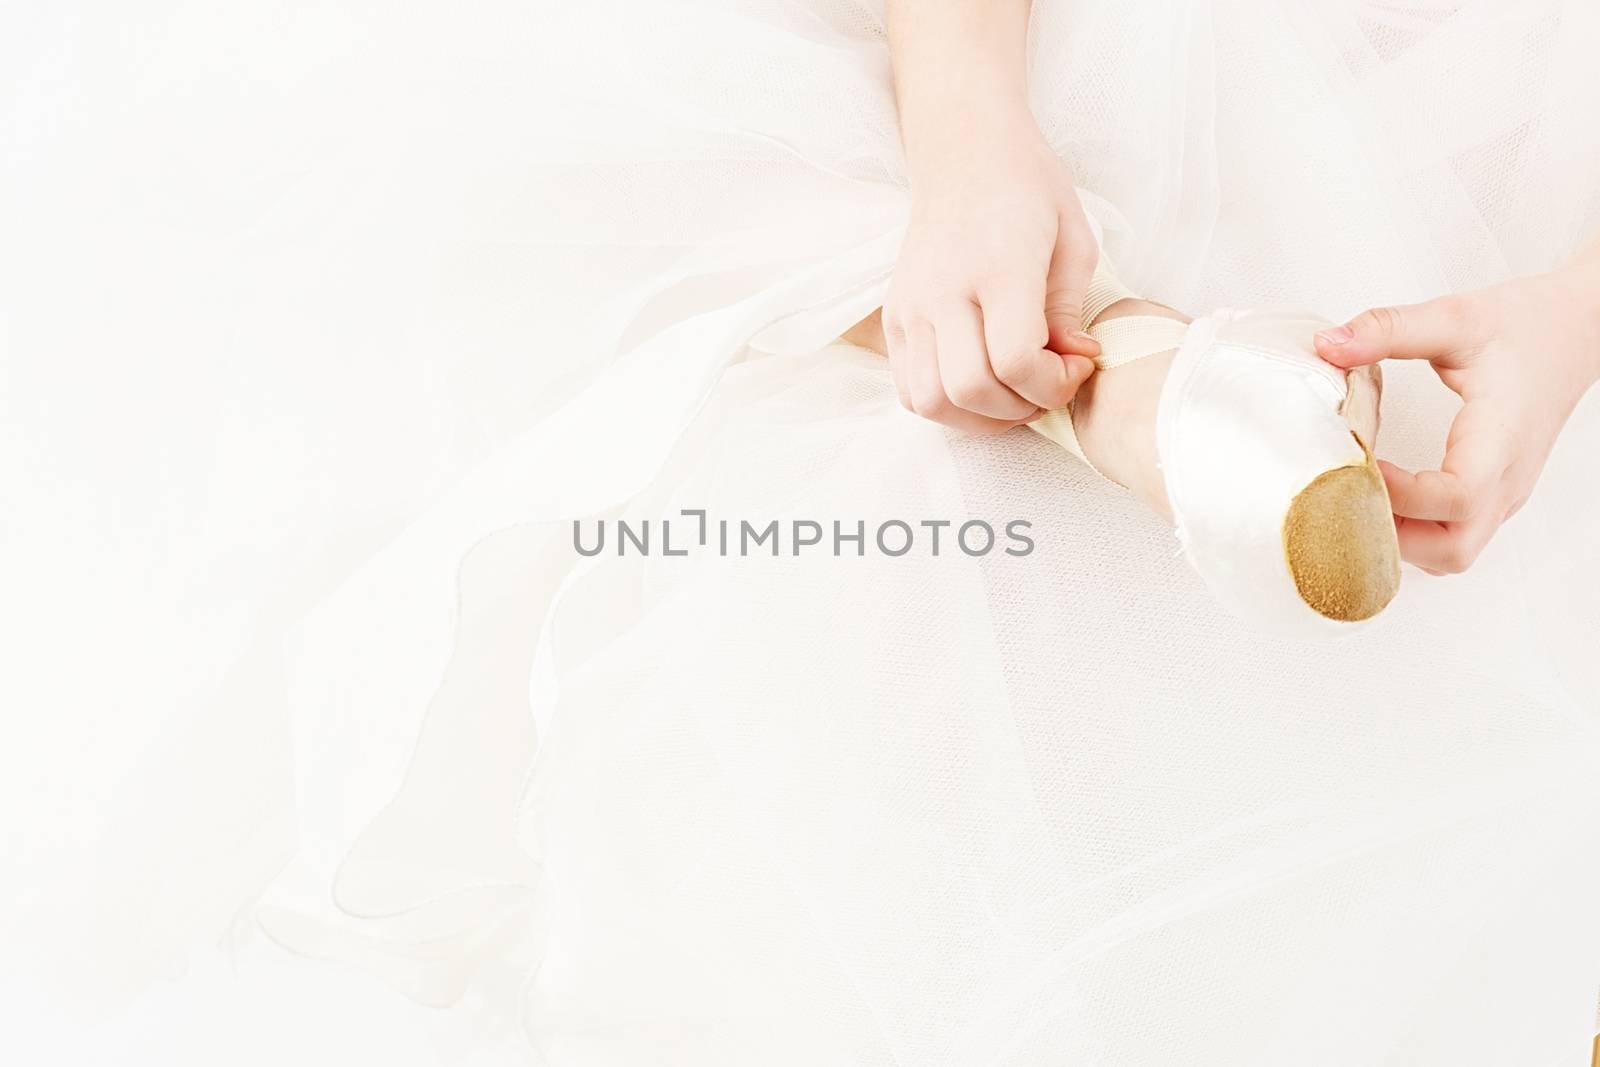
x: 336, y: 335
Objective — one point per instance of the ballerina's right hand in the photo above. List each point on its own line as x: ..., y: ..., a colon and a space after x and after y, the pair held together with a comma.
x: 984, y: 316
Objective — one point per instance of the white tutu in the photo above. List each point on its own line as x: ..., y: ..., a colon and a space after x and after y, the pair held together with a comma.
x: 323, y: 323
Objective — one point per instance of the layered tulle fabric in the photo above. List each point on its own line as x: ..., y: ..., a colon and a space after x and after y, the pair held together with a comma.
x: 325, y: 321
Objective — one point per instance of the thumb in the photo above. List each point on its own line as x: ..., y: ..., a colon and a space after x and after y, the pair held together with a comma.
x: 1065, y: 285
x: 1433, y: 331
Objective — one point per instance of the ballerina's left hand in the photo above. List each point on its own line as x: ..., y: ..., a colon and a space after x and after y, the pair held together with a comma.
x: 1520, y: 355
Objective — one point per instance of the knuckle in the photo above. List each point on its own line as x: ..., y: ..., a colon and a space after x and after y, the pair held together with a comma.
x: 1063, y: 302
x: 1064, y: 310
x: 967, y: 392
x: 935, y: 406
x: 1012, y: 364
x: 1066, y: 322
x: 1457, y: 557
x: 1009, y: 329
x: 1461, y: 311
x: 1454, y: 306
x: 1383, y: 321
x: 1457, y: 503
x: 1472, y: 500
x: 1060, y: 393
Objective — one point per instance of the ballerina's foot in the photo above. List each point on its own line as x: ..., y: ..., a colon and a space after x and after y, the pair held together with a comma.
x: 1262, y: 455
x: 1325, y: 506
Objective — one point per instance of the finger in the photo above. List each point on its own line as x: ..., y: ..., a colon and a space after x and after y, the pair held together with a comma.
x: 1433, y: 495
x: 894, y: 338
x: 1444, y: 548
x: 1442, y: 496
x: 1078, y: 370
x: 1066, y: 283
x: 969, y: 381
x: 922, y: 369
x: 1015, y: 332
x: 928, y: 397
x: 1477, y: 453
x: 1435, y: 330
x: 1424, y: 494
x: 1079, y: 344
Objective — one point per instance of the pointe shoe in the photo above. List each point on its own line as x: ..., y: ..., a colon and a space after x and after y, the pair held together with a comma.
x: 1266, y: 454
x: 1266, y: 460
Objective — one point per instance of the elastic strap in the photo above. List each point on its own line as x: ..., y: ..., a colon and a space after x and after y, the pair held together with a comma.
x: 1134, y: 337
x: 1104, y: 290
x: 1122, y: 340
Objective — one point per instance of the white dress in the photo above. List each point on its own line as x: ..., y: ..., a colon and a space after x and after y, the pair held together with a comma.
x: 324, y: 321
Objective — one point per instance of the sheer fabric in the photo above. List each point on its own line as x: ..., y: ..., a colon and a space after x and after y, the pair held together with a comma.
x: 324, y: 321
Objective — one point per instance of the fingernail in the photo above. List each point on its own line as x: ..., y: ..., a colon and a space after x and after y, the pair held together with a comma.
x: 1338, y: 335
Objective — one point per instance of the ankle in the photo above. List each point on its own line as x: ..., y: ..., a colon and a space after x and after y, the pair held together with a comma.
x: 1114, y: 416
x: 1133, y: 305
